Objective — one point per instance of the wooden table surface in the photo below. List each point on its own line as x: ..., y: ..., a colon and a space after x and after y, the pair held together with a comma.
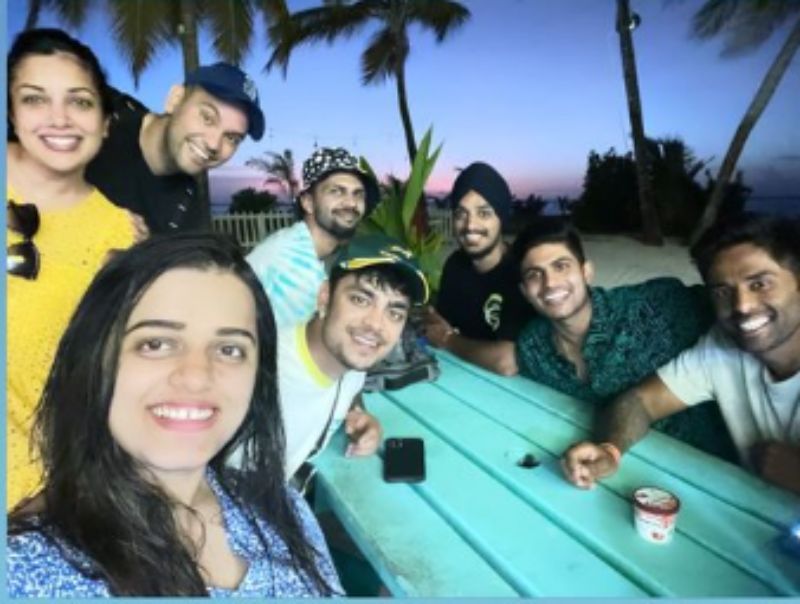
x: 480, y: 525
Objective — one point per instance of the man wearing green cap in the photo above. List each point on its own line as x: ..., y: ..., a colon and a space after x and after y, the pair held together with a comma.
x: 361, y: 312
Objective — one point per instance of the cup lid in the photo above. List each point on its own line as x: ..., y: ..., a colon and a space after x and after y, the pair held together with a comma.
x: 656, y: 500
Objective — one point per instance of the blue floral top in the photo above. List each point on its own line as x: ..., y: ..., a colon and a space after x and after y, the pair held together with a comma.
x: 36, y: 567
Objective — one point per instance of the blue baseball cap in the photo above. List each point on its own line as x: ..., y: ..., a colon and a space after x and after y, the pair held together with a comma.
x: 230, y: 84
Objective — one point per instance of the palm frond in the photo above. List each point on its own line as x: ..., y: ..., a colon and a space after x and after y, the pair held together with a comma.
x: 744, y: 24
x: 712, y: 17
x: 72, y: 12
x: 273, y: 10
x: 325, y: 23
x: 439, y: 16
x: 231, y: 24
x: 139, y: 28
x: 279, y: 168
x: 387, y: 50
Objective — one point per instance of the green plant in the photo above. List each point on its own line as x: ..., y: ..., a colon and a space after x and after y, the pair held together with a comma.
x: 393, y: 216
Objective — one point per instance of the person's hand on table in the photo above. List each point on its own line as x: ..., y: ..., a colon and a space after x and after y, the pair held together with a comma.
x: 778, y: 463
x: 364, y: 431
x: 585, y: 463
x: 437, y: 329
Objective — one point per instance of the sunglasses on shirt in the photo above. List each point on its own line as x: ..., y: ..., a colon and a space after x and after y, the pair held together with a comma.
x: 22, y: 258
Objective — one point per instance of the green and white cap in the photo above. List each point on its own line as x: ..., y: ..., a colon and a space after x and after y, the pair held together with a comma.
x: 375, y: 250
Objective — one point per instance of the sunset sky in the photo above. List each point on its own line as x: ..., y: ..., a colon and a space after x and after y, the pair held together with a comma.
x: 530, y: 86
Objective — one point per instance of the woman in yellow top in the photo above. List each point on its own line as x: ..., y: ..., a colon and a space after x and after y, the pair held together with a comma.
x: 59, y: 229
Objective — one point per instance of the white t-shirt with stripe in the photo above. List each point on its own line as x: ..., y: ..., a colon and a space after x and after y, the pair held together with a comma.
x: 308, y: 395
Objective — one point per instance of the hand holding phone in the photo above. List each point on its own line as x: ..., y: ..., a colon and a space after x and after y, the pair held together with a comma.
x: 404, y: 460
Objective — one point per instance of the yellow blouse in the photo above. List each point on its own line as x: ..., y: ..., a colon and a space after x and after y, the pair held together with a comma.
x: 73, y: 245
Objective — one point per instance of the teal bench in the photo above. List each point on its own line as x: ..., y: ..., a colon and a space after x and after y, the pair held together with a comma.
x: 481, y: 525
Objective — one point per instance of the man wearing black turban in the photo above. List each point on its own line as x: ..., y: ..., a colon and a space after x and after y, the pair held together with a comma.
x: 480, y: 309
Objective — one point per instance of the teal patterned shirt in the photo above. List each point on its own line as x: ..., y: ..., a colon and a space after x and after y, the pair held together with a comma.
x: 286, y: 263
x: 633, y: 331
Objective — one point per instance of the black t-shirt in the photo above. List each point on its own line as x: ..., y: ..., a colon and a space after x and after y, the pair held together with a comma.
x: 483, y: 306
x: 167, y: 203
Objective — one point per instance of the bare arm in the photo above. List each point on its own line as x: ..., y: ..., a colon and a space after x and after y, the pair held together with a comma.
x: 625, y: 422
x: 628, y: 418
x: 778, y: 463
x: 497, y: 356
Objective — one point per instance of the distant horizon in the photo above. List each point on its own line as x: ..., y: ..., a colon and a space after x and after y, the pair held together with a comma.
x: 219, y: 203
x: 221, y: 192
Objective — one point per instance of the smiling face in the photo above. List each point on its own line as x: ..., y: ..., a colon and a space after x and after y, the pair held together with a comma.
x: 203, y: 132
x: 56, y: 112
x: 555, y: 282
x: 478, y: 228
x: 336, y: 204
x: 757, y: 300
x: 186, y: 372
x: 362, y: 321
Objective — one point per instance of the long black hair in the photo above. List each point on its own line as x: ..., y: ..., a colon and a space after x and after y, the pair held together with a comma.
x: 50, y: 41
x: 95, y: 496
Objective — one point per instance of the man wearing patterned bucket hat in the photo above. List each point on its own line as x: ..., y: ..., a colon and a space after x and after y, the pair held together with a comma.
x: 360, y: 314
x: 290, y: 263
x: 148, y: 162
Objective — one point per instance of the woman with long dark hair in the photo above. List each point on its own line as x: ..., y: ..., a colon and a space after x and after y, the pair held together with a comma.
x: 167, y: 366
x: 59, y: 228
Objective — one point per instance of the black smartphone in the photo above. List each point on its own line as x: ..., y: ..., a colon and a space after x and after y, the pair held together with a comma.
x: 404, y: 460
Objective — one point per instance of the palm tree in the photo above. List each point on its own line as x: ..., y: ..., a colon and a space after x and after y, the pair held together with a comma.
x: 280, y: 170
x: 141, y: 27
x: 387, y: 51
x: 71, y: 12
x: 746, y: 24
x: 385, y: 55
x: 651, y: 230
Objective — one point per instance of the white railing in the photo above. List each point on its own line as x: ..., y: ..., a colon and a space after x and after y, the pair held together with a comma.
x: 249, y: 229
x: 441, y: 221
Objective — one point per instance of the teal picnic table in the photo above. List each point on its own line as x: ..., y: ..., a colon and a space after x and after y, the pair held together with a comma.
x: 481, y: 525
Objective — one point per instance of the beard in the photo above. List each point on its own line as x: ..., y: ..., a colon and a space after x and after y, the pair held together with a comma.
x: 481, y: 253
x: 332, y: 227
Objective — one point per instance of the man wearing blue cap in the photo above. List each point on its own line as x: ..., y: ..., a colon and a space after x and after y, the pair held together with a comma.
x: 480, y: 309
x: 148, y: 161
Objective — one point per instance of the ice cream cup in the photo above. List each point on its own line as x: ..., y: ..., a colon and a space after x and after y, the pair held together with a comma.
x: 654, y: 513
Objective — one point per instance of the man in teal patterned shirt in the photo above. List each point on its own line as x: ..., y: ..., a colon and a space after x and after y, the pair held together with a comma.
x: 593, y: 343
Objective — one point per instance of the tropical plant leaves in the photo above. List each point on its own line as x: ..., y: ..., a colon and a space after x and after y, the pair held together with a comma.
x: 393, y: 216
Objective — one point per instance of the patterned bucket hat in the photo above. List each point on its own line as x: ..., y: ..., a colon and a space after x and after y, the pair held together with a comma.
x: 326, y: 161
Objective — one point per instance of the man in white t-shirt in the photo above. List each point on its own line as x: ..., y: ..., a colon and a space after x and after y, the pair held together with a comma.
x: 749, y: 362
x: 361, y: 312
